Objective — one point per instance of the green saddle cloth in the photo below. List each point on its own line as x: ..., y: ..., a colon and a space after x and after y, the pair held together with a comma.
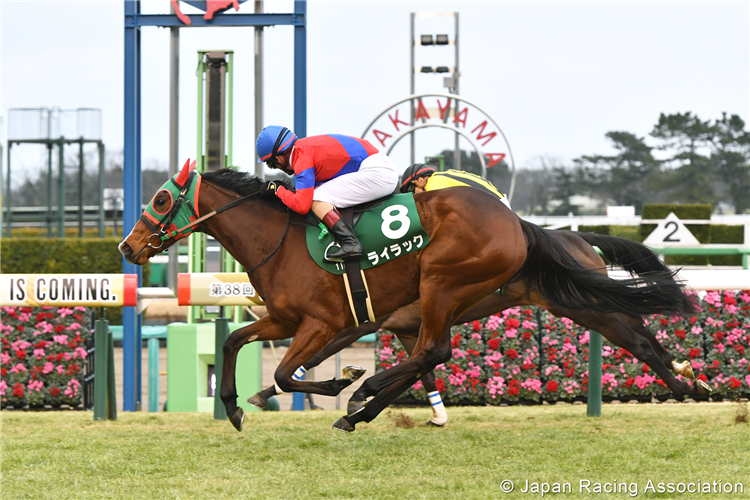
x: 387, y: 231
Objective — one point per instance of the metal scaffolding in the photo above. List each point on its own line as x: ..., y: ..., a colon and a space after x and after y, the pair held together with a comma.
x: 134, y: 22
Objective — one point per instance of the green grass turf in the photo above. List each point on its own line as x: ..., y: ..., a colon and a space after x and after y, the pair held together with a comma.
x: 290, y: 455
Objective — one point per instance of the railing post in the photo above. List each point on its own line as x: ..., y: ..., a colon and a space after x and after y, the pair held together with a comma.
x: 336, y: 374
x: 101, y: 348
x: 222, y: 332
x: 746, y: 242
x: 111, y: 391
x: 153, y: 375
x: 594, y: 407
x: 298, y: 399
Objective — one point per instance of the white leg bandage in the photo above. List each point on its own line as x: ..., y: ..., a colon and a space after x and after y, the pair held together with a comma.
x: 439, y: 415
x: 299, y: 374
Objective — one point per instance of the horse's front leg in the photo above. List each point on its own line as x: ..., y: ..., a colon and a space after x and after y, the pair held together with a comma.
x: 263, y: 329
x: 312, y: 335
x: 343, y: 339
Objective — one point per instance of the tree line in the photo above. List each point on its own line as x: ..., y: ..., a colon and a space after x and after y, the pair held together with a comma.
x: 682, y: 160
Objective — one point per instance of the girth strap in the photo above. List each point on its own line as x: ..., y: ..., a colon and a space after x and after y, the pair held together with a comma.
x: 356, y: 287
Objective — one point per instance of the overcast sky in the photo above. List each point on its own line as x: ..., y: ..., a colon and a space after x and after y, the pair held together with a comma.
x: 555, y: 76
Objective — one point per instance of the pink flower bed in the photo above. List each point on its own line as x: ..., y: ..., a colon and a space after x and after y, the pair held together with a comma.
x: 42, y: 355
x: 527, y: 355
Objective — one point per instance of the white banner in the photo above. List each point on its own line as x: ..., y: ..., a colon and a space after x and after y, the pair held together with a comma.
x: 90, y: 290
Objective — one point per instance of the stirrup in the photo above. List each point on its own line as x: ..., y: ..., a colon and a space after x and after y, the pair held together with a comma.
x: 344, y: 256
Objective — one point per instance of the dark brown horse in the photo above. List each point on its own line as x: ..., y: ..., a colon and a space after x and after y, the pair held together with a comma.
x: 628, y: 332
x: 476, y: 246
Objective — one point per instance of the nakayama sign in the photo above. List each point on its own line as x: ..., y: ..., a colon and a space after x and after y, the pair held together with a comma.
x: 447, y: 111
x: 93, y: 290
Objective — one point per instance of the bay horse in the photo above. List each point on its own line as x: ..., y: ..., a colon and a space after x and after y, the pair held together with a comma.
x: 476, y: 246
x: 626, y: 331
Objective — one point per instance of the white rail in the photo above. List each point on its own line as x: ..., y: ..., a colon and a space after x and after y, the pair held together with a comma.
x: 706, y: 279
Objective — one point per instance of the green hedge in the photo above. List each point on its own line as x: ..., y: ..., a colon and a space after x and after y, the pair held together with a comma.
x: 681, y: 210
x: 65, y: 255
x: 722, y: 233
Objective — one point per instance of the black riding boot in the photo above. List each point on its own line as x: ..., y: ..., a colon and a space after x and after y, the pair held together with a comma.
x: 344, y: 235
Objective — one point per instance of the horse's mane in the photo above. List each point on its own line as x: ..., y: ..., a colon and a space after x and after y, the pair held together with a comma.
x: 243, y: 183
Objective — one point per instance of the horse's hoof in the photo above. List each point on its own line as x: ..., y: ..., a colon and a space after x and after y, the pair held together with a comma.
x: 237, y: 419
x: 703, y: 388
x: 433, y: 424
x: 354, y: 407
x: 353, y: 372
x: 343, y: 425
x: 258, y: 401
x: 683, y: 369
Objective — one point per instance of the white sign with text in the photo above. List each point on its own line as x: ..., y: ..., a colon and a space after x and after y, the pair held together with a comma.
x: 671, y: 232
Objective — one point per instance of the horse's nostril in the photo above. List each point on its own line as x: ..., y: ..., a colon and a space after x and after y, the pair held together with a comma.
x: 125, y: 249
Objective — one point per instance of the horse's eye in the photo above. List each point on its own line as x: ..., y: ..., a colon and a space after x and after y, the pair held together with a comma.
x: 161, y: 202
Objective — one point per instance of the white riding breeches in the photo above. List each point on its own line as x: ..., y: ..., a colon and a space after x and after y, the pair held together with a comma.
x: 377, y: 177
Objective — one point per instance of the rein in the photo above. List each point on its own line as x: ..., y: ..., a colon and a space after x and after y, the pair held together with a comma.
x: 219, y: 210
x: 283, y: 237
x: 234, y: 204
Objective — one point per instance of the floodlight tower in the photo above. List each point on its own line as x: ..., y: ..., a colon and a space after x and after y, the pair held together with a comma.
x: 450, y: 82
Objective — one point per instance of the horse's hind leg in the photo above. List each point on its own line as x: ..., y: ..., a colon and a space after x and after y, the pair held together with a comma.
x: 616, y: 331
x: 683, y: 368
x: 343, y: 339
x: 261, y: 330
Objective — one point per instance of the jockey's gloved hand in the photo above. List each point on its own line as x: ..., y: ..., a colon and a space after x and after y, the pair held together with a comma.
x: 270, y: 186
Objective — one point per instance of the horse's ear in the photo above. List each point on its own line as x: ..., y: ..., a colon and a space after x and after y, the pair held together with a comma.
x: 182, y: 177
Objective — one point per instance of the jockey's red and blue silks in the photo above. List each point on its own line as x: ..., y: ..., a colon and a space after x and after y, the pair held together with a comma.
x: 318, y: 159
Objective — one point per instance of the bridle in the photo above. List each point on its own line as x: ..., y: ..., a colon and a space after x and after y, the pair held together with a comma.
x: 161, y: 232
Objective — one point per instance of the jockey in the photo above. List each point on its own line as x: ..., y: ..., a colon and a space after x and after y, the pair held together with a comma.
x: 330, y: 171
x: 420, y: 177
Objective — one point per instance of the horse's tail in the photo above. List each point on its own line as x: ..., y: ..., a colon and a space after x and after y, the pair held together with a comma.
x: 550, y: 269
x: 630, y: 255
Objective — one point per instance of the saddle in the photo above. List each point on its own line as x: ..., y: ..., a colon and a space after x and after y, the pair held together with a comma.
x: 358, y: 210
x: 388, y: 228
